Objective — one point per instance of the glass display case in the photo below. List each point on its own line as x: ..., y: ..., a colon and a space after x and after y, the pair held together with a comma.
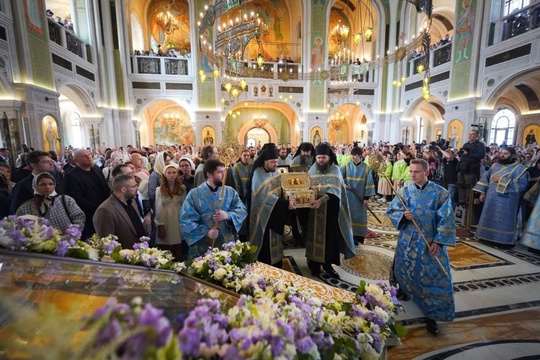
x: 84, y: 286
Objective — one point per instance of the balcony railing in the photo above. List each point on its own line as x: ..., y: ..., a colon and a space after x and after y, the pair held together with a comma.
x: 65, y: 38
x: 161, y: 65
x: 440, y: 55
x: 515, y: 24
x: 267, y: 70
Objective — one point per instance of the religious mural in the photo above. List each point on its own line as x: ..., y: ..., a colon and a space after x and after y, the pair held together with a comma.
x: 316, y: 135
x: 275, y: 40
x: 170, y: 130
x: 34, y: 12
x: 464, y: 30
x: 208, y: 136
x: 338, y: 135
x: 51, y: 140
x: 531, y: 135
x: 174, y: 34
x: 454, y: 131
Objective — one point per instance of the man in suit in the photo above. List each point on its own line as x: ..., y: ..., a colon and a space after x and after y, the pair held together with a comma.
x: 87, y: 185
x: 118, y: 215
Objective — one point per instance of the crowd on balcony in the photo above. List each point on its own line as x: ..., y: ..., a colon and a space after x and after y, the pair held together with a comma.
x: 447, y: 40
x: 160, y: 52
x: 65, y: 23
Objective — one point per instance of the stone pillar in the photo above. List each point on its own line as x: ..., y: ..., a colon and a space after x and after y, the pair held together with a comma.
x: 482, y: 123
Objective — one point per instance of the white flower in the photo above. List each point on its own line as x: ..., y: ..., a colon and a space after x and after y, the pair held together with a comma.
x: 375, y: 289
x: 382, y: 314
x: 5, y: 241
x: 127, y: 253
x: 93, y: 254
x: 219, y: 274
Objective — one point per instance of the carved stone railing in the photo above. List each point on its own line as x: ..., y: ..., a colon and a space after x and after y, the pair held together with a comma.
x: 160, y: 65
x: 67, y: 39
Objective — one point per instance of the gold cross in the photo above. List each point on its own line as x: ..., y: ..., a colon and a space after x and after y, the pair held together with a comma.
x: 320, y: 186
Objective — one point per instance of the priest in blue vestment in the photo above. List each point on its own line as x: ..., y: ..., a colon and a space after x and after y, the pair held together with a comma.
x: 238, y: 177
x: 329, y: 229
x: 360, y: 186
x: 415, y: 268
x: 268, y: 210
x: 531, y: 234
x: 201, y: 223
x: 501, y: 189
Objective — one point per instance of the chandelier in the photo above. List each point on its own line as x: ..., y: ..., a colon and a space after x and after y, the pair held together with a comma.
x: 167, y: 22
x: 171, y: 120
x: 337, y: 120
x: 341, y: 32
x: 260, y: 120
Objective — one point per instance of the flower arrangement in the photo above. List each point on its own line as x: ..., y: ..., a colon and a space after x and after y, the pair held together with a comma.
x: 273, y: 319
x: 33, y: 234
x: 227, y: 267
x: 136, y: 331
x: 143, y: 255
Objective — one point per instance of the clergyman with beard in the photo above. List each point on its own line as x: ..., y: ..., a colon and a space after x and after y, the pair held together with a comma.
x: 501, y: 189
x: 202, y: 222
x: 304, y: 157
x: 301, y: 162
x: 329, y: 230
x: 268, y: 210
x: 283, y: 159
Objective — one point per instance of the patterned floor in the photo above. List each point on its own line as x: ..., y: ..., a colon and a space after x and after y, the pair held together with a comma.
x: 496, y: 291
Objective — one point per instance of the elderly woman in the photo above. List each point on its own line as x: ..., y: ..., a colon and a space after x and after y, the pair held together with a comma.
x: 60, y: 210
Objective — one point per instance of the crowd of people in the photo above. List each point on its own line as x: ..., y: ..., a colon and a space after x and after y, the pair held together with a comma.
x: 185, y: 199
x: 65, y: 23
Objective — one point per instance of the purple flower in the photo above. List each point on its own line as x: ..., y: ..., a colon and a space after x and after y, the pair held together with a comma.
x: 62, y: 248
x: 150, y: 316
x: 304, y: 344
x: 277, y: 345
x: 189, y: 340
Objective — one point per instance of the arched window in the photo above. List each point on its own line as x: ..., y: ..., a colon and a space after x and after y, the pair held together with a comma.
x: 502, y: 127
x: 76, y: 131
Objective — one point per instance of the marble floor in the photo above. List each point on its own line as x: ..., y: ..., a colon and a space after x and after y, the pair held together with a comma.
x: 497, y: 294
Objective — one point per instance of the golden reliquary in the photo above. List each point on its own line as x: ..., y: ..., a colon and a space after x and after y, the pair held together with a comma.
x: 296, y: 186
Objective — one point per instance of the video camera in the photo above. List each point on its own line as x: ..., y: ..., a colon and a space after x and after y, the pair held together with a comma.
x: 443, y: 144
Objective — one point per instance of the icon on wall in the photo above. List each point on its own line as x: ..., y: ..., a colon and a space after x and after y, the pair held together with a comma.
x: 208, y: 136
x: 51, y: 139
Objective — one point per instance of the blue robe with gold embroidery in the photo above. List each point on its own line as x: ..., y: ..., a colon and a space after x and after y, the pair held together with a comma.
x: 329, y: 231
x: 359, y: 178
x: 531, y: 235
x: 414, y: 269
x: 196, y: 218
x: 499, y: 221
x: 267, y: 216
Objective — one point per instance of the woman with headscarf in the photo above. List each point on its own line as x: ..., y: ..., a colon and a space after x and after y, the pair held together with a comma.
x: 163, y: 159
x: 60, y: 210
